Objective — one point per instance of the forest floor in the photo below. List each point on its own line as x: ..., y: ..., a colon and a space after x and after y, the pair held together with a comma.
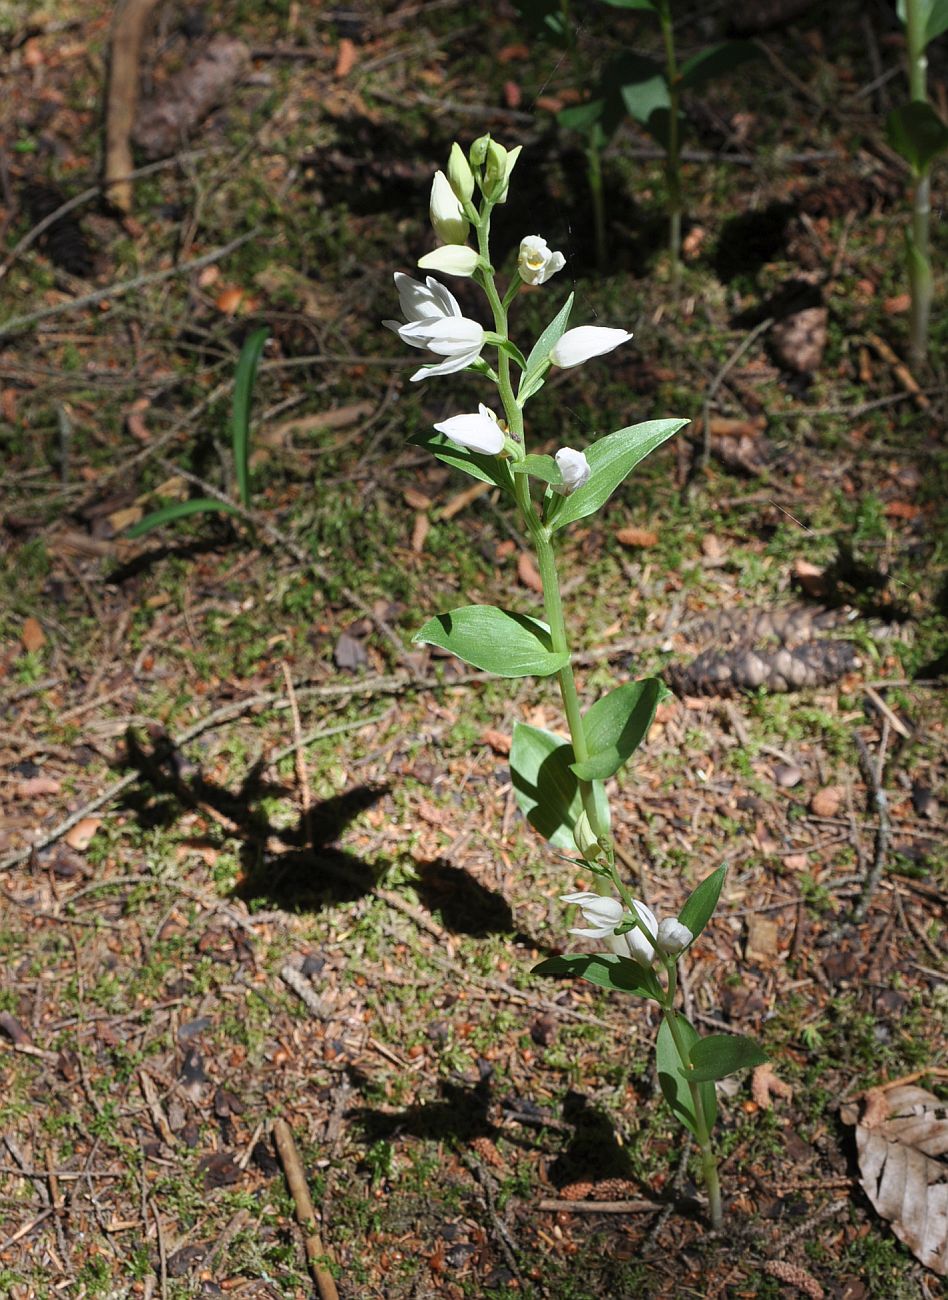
x: 261, y: 857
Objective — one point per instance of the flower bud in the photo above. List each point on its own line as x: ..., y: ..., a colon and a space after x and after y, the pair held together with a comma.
x: 460, y: 176
x: 451, y: 259
x: 575, y: 469
x: 586, y: 341
x: 449, y: 222
x: 583, y: 837
x: 479, y: 150
x: 498, y: 164
x: 673, y: 937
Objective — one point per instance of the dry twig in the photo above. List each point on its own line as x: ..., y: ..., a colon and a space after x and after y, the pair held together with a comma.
x: 305, y: 1213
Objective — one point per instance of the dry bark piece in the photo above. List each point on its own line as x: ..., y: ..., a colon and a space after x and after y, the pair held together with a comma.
x: 804, y: 667
x: 799, y: 340
x: 164, y: 122
x: 902, y: 1145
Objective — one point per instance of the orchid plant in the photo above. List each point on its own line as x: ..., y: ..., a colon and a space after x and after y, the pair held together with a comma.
x: 559, y: 781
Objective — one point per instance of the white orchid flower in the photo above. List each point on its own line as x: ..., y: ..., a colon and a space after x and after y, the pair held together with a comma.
x: 575, y: 469
x: 451, y: 259
x: 584, y: 342
x: 433, y: 320
x: 605, y: 914
x: 478, y: 431
x: 449, y: 222
x: 673, y: 937
x: 537, y: 261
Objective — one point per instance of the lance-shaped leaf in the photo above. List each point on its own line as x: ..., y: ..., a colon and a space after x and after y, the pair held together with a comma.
x: 244, y: 379
x: 934, y: 17
x: 180, y: 510
x: 608, y: 970
x: 917, y: 132
x: 616, y: 725
x: 674, y: 1088
x: 611, y: 459
x: 538, y: 360
x: 495, y: 640
x: 489, y: 469
x: 719, y: 1055
x: 714, y: 61
x: 700, y: 904
x: 547, y: 791
x: 644, y: 91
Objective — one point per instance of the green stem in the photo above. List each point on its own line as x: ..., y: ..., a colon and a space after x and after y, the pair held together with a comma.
x: 673, y: 153
x: 919, y: 265
x: 709, y: 1164
x: 594, y: 177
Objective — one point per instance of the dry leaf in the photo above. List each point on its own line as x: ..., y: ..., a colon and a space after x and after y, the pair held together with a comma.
x: 32, y: 635
x: 765, y: 1086
x: 513, y: 95
x: 80, y: 837
x: 898, y: 304
x: 417, y: 500
x: 527, y: 572
x: 498, y: 742
x: 346, y: 59
x: 35, y: 786
x: 637, y: 537
x: 903, y: 1167
x: 811, y: 578
x: 419, y: 532
x: 762, y: 936
x: 827, y: 802
x: 122, y: 519
x: 228, y: 300
x: 901, y: 510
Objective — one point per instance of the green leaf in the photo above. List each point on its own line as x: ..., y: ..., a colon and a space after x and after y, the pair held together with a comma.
x: 607, y: 970
x: 937, y: 21
x: 495, y: 640
x: 633, y: 4
x: 540, y: 352
x: 582, y: 117
x: 544, y: 468
x: 674, y: 1088
x: 644, y: 89
x: 489, y: 469
x: 179, y: 510
x: 546, y: 790
x: 934, y: 17
x: 611, y: 459
x: 240, y: 411
x: 700, y: 904
x: 719, y: 1055
x: 512, y: 351
x: 714, y: 62
x: 616, y: 725
x: 917, y: 133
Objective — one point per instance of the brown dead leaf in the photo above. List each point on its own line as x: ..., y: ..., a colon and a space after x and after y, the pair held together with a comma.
x: 32, y: 635
x: 765, y: 1085
x: 36, y: 786
x: 464, y: 499
x: 901, y: 510
x: 828, y: 801
x: 762, y: 935
x: 135, y: 420
x: 637, y: 537
x: 811, y: 578
x: 513, y: 95
x: 512, y: 53
x: 122, y: 519
x: 420, y: 531
x: 498, y: 742
x: 527, y: 572
x: 228, y: 300
x: 904, y: 1172
x: 898, y: 304
x: 417, y: 500
x: 729, y: 426
x: 346, y: 59
x: 80, y: 836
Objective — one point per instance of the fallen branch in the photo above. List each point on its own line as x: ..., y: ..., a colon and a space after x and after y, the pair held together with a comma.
x: 305, y: 1214
x: 128, y: 31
